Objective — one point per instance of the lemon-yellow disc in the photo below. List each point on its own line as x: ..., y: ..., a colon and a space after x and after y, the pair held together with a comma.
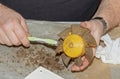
x: 74, y: 46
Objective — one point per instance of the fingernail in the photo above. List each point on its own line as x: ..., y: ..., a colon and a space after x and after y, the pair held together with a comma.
x: 25, y: 42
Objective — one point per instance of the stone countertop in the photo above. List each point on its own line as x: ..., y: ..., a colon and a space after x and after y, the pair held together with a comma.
x: 11, y: 69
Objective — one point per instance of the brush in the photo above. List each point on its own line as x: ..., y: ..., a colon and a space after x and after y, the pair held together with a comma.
x: 43, y: 40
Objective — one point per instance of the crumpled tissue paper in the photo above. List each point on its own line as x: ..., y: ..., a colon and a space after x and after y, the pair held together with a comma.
x: 110, y: 53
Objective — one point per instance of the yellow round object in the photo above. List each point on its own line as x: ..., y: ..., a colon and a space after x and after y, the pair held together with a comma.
x: 74, y: 46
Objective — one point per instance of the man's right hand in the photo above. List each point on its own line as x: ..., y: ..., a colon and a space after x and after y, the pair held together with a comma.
x: 13, y: 29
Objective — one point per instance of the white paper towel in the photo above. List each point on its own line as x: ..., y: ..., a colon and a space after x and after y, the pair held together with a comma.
x: 110, y: 53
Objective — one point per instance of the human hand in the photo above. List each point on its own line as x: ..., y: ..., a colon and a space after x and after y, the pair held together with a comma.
x: 96, y: 28
x: 13, y: 29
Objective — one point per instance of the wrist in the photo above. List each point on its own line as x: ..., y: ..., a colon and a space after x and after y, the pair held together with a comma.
x: 103, y: 22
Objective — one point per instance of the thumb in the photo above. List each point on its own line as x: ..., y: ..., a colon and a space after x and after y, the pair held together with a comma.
x: 86, y: 24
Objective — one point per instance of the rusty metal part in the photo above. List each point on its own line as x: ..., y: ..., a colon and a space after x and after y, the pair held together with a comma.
x: 89, y: 54
x: 89, y: 39
x: 76, y: 29
x: 78, y: 61
x: 59, y: 48
x: 65, y: 59
x: 86, y: 35
x: 64, y: 33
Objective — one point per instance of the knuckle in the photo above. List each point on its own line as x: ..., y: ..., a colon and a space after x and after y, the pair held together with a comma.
x: 12, y: 20
x: 3, y: 26
x: 22, y: 36
x: 7, y: 25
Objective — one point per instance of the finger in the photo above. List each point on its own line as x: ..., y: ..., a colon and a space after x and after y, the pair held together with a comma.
x: 1, y: 38
x: 13, y: 38
x: 84, y: 65
x: 97, y: 37
x: 24, y: 26
x: 90, y: 25
x: 4, y: 39
x: 1, y: 42
x: 84, y: 24
x: 11, y: 35
x: 75, y: 68
x: 21, y: 34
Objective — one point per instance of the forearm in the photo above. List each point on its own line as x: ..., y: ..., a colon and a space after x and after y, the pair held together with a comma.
x: 109, y: 10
